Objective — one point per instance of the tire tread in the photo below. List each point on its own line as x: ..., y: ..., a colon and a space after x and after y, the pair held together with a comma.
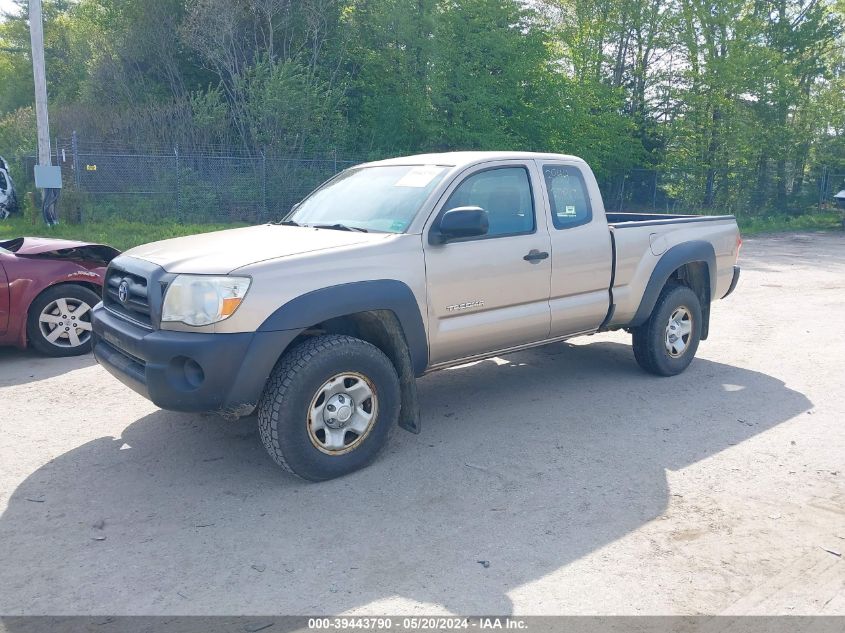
x: 278, y: 385
x: 647, y: 339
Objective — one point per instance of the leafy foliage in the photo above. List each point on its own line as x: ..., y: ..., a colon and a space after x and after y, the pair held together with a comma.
x: 736, y: 102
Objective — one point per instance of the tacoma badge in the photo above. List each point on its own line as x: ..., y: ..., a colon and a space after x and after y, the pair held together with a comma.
x: 465, y: 306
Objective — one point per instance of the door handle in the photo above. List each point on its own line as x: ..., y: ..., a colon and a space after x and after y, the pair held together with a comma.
x: 535, y: 256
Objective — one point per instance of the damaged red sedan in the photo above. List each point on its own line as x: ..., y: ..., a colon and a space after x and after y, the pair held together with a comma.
x: 47, y: 290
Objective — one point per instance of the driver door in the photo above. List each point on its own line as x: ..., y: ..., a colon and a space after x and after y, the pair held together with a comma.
x: 490, y: 292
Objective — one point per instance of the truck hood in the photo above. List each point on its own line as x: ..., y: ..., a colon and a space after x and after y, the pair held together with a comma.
x: 222, y: 252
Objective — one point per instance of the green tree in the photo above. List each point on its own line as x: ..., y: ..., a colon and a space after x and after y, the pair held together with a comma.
x: 737, y: 103
x: 489, y: 59
x: 388, y: 67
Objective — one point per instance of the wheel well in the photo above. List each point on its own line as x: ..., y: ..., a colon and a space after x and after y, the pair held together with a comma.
x: 378, y: 327
x: 383, y: 329
x: 95, y: 288
x: 696, y: 276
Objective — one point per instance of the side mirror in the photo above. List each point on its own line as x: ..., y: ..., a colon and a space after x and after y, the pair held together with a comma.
x: 460, y: 222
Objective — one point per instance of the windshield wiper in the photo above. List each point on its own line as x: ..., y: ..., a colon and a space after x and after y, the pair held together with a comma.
x: 287, y: 223
x: 339, y: 227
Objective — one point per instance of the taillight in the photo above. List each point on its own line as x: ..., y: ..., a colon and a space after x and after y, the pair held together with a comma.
x: 738, y: 244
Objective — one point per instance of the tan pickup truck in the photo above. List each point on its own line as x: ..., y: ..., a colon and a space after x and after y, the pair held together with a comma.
x: 394, y: 269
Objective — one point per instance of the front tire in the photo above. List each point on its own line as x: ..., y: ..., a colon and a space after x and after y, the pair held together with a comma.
x: 328, y: 407
x: 59, y: 320
x: 666, y: 344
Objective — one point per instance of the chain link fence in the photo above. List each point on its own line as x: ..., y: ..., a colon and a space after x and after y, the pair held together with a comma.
x: 685, y: 190
x: 216, y: 185
x: 831, y: 184
x: 103, y: 181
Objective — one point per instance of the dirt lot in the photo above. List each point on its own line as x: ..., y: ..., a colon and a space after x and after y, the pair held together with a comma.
x: 588, y: 486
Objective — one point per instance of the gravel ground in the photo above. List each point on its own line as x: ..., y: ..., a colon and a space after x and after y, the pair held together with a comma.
x: 586, y: 486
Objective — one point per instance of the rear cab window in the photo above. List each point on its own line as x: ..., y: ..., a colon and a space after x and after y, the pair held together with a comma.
x: 568, y: 197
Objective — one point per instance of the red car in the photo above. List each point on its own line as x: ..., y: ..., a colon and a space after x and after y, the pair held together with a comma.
x: 47, y: 290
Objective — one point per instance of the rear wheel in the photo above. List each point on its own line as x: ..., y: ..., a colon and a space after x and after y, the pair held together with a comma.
x: 666, y: 344
x: 59, y: 320
x: 329, y: 407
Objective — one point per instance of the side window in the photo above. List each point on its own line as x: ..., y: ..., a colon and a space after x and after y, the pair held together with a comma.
x: 505, y: 193
x: 567, y: 196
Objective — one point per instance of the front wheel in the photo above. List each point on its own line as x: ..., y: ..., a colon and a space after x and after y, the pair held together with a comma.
x: 59, y: 320
x: 666, y: 344
x: 328, y: 407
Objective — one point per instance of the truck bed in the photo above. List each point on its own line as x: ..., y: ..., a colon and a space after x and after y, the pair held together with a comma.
x: 644, y: 219
x: 640, y: 239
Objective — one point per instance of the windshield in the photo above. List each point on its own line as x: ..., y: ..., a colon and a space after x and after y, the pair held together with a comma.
x: 372, y: 198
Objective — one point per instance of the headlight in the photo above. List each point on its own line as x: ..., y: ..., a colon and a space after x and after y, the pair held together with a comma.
x: 203, y: 299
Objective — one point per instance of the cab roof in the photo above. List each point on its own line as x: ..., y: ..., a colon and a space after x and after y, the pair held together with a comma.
x: 464, y: 159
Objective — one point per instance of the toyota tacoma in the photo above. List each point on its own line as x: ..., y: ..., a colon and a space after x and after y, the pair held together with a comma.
x: 322, y: 322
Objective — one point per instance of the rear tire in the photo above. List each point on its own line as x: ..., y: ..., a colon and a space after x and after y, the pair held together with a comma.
x: 59, y: 320
x: 328, y: 407
x: 666, y: 344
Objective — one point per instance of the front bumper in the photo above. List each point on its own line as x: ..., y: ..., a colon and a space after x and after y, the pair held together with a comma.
x: 188, y: 371
x: 733, y: 282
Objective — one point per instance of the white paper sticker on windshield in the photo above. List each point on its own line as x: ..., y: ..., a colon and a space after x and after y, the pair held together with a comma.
x: 419, y: 176
x: 570, y: 210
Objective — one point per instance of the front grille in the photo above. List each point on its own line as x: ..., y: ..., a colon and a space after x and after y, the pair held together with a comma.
x: 135, y: 306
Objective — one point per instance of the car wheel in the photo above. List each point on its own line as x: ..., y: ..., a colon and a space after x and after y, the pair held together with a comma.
x: 59, y: 320
x: 666, y: 344
x: 328, y: 407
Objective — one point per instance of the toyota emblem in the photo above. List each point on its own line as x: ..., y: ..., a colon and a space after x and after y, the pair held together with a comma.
x: 123, y: 291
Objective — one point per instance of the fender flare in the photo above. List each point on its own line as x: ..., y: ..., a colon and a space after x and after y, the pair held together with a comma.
x: 670, y: 261
x: 360, y: 296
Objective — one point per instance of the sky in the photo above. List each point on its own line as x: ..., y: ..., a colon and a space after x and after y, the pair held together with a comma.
x: 7, y: 6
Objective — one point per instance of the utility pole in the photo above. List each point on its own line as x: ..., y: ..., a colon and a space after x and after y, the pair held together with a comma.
x: 47, y: 177
x: 36, y: 33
